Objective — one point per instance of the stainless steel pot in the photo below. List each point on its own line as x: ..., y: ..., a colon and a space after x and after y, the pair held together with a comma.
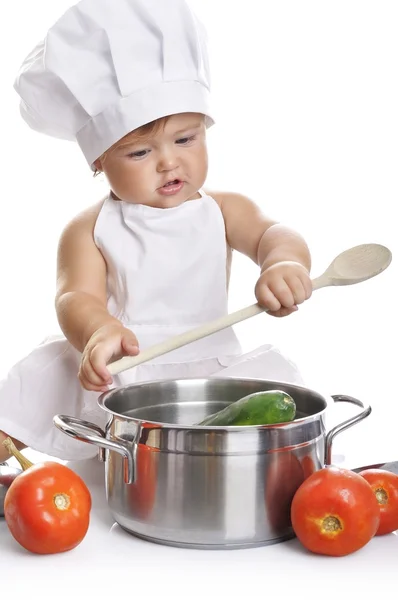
x: 174, y: 483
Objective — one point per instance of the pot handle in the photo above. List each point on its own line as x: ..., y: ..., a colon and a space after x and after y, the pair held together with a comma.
x: 84, y: 431
x: 345, y: 424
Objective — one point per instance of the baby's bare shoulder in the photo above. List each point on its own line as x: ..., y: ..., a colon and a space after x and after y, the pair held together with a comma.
x: 221, y: 196
x: 233, y: 202
x: 84, y: 221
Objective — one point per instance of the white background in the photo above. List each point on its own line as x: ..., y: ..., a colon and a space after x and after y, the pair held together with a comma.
x: 306, y: 98
x: 306, y: 95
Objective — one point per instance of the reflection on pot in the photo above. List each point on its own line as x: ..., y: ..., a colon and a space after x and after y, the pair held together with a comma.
x: 308, y: 466
x: 142, y: 493
x: 285, y: 475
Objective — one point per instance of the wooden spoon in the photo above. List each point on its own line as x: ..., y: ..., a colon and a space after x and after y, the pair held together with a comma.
x: 351, y: 266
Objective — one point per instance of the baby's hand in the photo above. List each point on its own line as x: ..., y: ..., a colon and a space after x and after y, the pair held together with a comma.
x: 107, y: 343
x: 282, y: 286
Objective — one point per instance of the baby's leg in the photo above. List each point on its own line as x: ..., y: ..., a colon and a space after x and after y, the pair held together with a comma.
x: 4, y: 454
x: 43, y: 384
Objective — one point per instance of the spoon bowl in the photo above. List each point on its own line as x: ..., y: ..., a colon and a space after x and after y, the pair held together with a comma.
x: 355, y: 265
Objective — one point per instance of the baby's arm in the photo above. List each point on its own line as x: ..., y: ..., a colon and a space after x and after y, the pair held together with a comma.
x: 81, y: 281
x: 281, y: 253
x: 81, y: 303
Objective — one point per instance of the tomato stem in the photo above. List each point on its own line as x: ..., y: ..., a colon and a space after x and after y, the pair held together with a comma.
x: 331, y: 524
x: 12, y: 449
x: 381, y: 496
x: 61, y: 501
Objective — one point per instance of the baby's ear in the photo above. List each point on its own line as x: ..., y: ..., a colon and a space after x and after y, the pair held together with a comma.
x: 97, y: 165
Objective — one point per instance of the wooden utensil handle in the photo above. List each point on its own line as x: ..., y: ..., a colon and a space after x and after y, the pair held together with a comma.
x: 327, y: 278
x: 195, y: 334
x: 185, y: 338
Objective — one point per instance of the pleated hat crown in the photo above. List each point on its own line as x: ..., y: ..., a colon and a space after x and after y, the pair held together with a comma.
x: 107, y: 67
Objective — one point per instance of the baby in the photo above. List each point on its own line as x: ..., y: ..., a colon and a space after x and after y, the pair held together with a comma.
x: 129, y: 81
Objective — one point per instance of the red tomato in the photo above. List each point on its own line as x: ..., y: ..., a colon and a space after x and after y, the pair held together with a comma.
x: 335, y: 512
x: 47, y: 508
x: 385, y: 487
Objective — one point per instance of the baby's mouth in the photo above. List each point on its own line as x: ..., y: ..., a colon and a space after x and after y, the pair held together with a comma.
x: 172, y: 182
x: 172, y: 187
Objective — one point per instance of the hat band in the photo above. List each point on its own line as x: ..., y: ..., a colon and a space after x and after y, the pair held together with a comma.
x: 138, y: 109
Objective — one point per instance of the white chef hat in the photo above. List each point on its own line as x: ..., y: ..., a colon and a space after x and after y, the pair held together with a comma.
x: 107, y: 67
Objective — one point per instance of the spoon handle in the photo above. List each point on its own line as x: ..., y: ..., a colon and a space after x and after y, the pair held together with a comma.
x: 198, y: 333
x: 184, y: 338
x: 322, y: 281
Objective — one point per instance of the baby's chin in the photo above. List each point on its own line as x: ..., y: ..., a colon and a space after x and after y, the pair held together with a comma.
x: 165, y: 201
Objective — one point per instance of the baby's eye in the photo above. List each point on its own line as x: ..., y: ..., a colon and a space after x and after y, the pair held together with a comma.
x: 138, y: 154
x: 185, y: 140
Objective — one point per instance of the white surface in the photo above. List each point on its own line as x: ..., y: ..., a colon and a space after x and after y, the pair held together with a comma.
x: 112, y: 562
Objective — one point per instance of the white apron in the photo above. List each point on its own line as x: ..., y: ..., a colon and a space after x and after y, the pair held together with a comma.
x: 167, y: 273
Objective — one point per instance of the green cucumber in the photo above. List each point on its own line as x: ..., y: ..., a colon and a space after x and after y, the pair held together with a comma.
x: 260, y: 408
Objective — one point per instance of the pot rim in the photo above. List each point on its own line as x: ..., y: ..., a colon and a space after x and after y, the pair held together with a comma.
x: 159, y: 424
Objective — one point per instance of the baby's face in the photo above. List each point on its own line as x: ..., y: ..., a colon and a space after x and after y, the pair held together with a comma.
x: 164, y: 169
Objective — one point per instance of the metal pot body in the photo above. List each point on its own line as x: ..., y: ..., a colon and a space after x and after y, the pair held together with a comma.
x: 175, y: 483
